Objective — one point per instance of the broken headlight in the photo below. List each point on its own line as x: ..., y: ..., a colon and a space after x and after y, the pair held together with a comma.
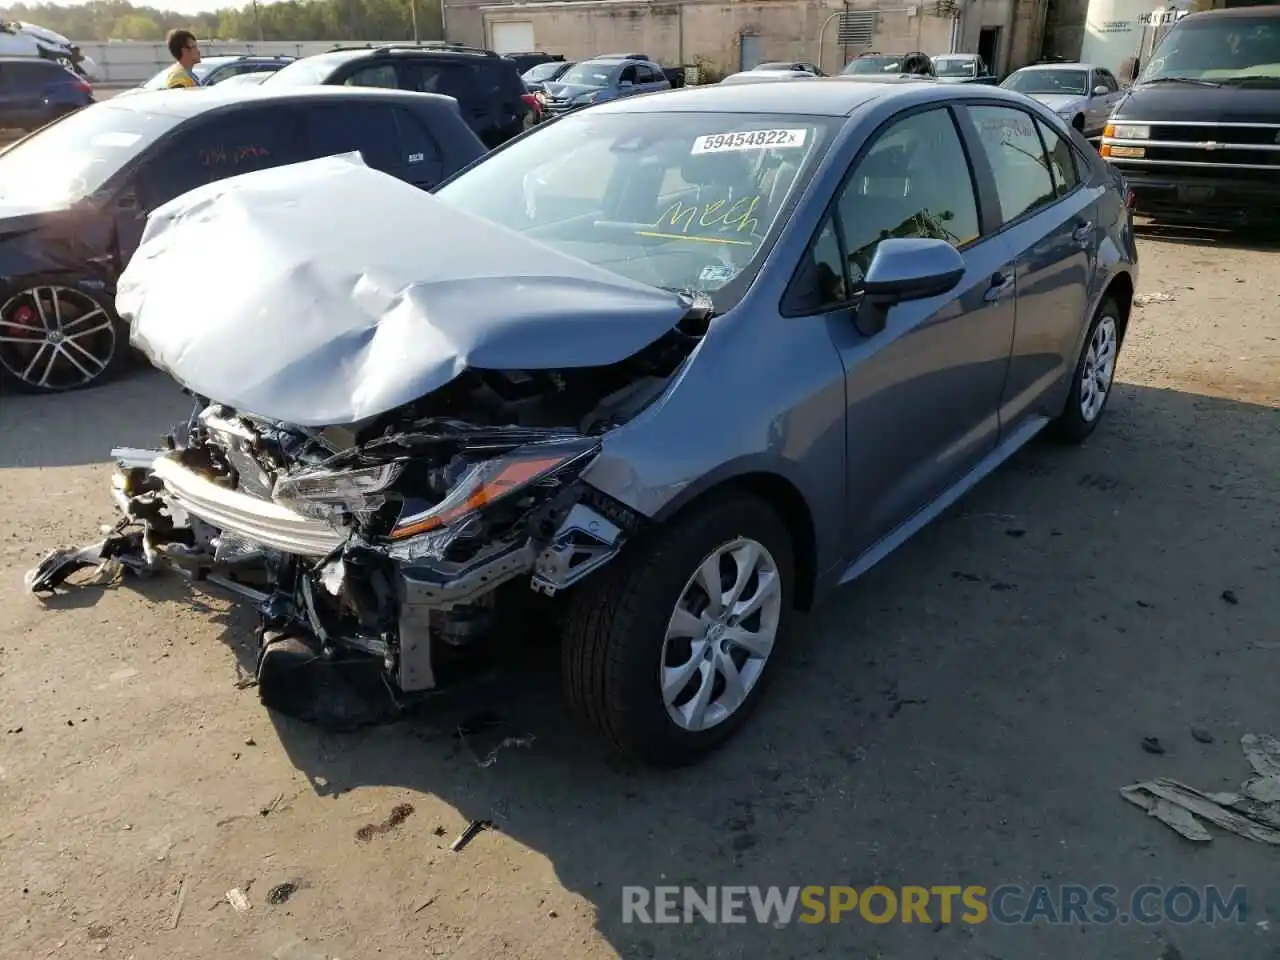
x: 326, y: 494
x: 491, y: 481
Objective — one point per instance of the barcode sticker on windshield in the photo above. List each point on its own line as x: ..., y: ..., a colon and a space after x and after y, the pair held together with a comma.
x: 749, y: 140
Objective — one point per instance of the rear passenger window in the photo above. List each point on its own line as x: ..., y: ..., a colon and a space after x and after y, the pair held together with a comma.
x: 451, y: 79
x: 1017, y: 159
x: 343, y: 127
x: 380, y: 75
x: 1062, y: 160
x: 417, y: 145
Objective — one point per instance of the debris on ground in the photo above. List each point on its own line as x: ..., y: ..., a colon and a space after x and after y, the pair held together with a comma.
x: 424, y: 904
x: 177, y: 910
x: 1201, y: 735
x: 275, y: 802
x: 488, y: 729
x: 1252, y: 812
x: 1160, y: 296
x: 399, y: 815
x: 281, y: 893
x: 470, y: 833
x: 237, y: 899
x: 1230, y: 597
x: 1152, y: 745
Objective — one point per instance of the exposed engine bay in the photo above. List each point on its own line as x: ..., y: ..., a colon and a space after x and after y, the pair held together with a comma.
x: 386, y: 544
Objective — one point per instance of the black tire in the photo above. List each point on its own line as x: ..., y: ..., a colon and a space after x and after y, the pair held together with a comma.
x: 1078, y: 122
x: 616, y: 622
x: 1071, y: 426
x: 113, y: 340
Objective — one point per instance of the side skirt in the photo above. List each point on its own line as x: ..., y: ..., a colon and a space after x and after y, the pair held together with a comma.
x: 881, y: 549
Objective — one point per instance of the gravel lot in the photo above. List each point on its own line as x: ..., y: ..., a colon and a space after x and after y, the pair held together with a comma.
x: 965, y: 714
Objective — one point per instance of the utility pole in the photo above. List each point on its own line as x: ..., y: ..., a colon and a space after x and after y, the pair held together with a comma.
x: 413, y: 12
x: 257, y: 20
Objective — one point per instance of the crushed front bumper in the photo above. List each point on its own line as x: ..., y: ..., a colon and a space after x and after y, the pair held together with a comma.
x: 333, y: 590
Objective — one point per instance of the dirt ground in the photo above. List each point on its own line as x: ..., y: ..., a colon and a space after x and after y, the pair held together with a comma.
x: 963, y: 715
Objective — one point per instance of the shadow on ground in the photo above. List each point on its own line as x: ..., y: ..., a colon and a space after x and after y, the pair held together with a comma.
x: 964, y: 714
x: 81, y: 427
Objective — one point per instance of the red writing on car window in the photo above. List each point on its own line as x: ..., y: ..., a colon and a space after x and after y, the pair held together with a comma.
x: 219, y: 155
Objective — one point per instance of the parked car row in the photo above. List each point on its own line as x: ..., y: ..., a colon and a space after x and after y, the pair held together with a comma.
x: 663, y: 372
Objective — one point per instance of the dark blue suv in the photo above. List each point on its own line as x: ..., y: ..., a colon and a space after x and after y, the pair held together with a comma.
x: 34, y: 91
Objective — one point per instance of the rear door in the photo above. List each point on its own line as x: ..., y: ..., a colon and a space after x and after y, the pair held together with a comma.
x: 8, y: 99
x: 1048, y: 218
x: 29, y: 81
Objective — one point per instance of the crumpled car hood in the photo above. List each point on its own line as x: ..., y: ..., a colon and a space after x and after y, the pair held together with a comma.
x: 325, y: 292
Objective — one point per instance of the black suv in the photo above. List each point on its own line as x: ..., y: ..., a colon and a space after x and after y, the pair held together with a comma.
x: 34, y: 91
x: 490, y: 94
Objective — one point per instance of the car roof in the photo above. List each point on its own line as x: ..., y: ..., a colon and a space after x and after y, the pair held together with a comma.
x: 613, y: 61
x: 817, y: 96
x: 1232, y: 13
x: 957, y: 56
x: 187, y: 104
x: 1059, y: 66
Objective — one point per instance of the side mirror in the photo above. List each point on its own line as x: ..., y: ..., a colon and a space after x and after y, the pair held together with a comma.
x: 1101, y: 90
x: 902, y: 270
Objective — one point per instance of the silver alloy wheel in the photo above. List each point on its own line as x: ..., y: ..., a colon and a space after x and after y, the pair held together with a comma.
x: 1099, y: 368
x: 55, y: 338
x: 720, y: 635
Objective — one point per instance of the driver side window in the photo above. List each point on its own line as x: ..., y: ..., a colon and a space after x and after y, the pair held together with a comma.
x: 913, y: 182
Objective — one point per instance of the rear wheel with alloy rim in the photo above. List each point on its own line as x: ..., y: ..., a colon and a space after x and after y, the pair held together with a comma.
x: 1094, y: 377
x: 55, y: 338
x: 667, y: 650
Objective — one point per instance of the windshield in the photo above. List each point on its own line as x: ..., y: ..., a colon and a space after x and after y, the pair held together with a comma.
x: 543, y: 71
x: 874, y: 65
x: 73, y: 157
x: 309, y: 71
x: 1227, y: 50
x: 950, y: 67
x: 1066, y: 82
x: 679, y: 201
x: 588, y: 75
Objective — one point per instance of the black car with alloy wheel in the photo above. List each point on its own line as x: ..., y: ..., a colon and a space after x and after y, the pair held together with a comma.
x: 75, y: 196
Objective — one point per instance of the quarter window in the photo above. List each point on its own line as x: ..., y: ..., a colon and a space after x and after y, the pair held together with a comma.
x: 1012, y: 147
x: 1062, y: 160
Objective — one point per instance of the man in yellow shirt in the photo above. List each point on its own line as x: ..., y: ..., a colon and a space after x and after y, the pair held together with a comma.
x: 185, y: 50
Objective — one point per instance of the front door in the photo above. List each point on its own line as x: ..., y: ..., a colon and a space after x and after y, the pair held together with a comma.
x: 922, y: 393
x: 1047, y: 215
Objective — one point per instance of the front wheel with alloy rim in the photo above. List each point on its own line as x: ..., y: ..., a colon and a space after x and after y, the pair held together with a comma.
x: 1094, y: 377
x: 668, y: 649
x: 55, y: 338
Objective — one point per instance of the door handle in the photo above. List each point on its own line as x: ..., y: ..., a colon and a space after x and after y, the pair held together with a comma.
x: 1001, y: 286
x: 1083, y: 233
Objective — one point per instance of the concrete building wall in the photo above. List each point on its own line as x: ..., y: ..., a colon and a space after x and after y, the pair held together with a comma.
x: 704, y: 31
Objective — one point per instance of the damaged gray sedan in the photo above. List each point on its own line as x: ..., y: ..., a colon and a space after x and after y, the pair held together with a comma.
x: 675, y: 367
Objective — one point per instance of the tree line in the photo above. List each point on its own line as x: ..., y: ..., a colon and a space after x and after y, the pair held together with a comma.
x: 336, y: 20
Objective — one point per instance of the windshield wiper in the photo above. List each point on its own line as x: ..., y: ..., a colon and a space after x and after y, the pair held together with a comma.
x: 1260, y: 81
x: 1193, y: 80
